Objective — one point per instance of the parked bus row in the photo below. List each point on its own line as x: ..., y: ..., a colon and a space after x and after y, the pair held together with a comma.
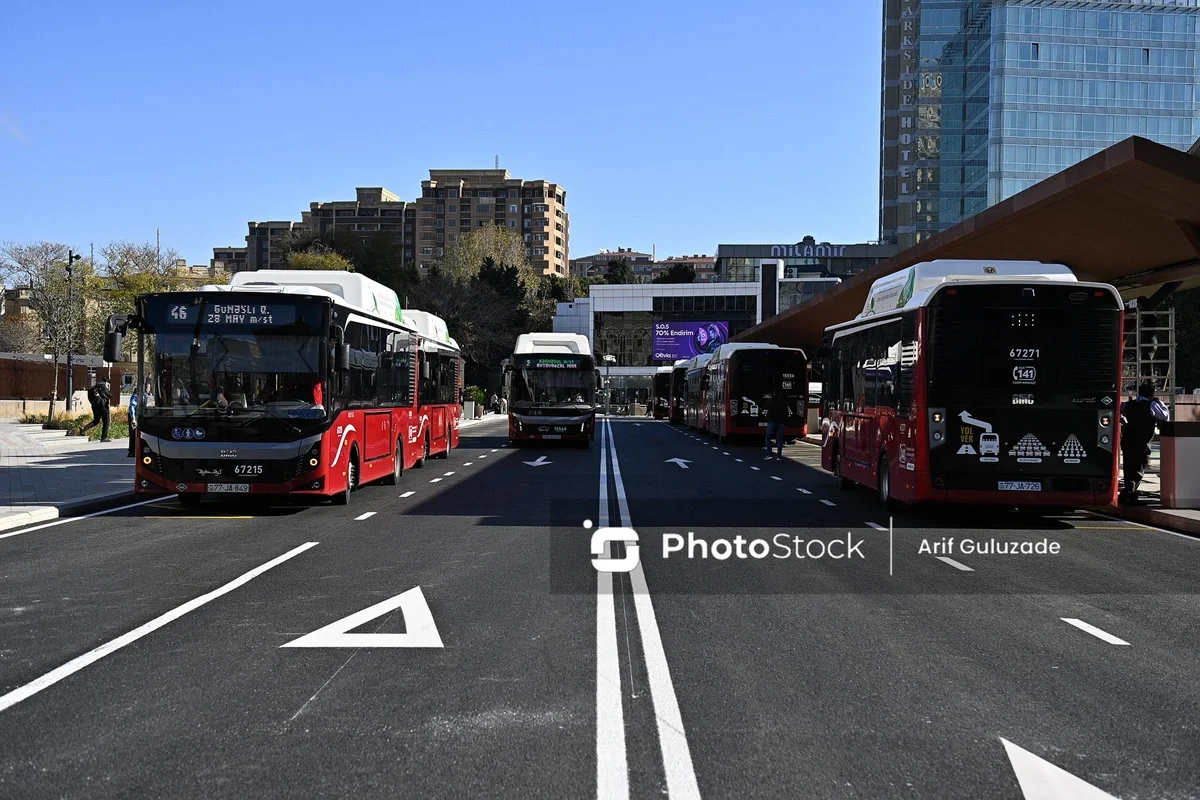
x: 727, y: 393
x: 305, y: 383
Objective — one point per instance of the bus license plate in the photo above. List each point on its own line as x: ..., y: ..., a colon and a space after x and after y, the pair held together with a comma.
x: 551, y: 436
x: 229, y: 488
x: 1020, y: 486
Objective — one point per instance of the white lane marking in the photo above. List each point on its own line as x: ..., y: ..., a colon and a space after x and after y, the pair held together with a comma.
x: 612, y: 768
x: 496, y: 451
x: 672, y: 738
x: 419, y: 627
x: 828, y: 502
x: 722, y: 452
x: 802, y: 490
x: 876, y: 526
x: 65, y: 520
x: 1041, y: 780
x: 736, y: 459
x: 956, y: 564
x: 469, y: 463
x: 481, y: 455
x: 1140, y: 525
x: 1094, y: 631
x: 367, y: 515
x: 776, y: 478
x: 447, y: 474
x: 714, y: 446
x: 436, y: 480
x: 74, y: 665
x: 408, y: 494
x: 756, y: 469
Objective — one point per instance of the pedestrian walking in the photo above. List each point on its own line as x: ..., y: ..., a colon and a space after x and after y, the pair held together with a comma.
x: 99, y: 396
x: 1139, y: 419
x: 777, y: 417
x: 494, y: 405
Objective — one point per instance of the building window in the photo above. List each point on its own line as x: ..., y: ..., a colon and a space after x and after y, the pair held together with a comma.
x: 464, y: 223
x: 481, y: 223
x: 452, y: 193
x: 512, y: 209
x: 512, y: 223
x: 426, y: 251
x: 528, y: 224
x: 482, y: 209
x: 484, y: 193
x: 441, y: 209
x: 453, y: 209
x: 427, y: 237
x: 502, y: 193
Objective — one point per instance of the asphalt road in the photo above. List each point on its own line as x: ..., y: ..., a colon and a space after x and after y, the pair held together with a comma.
x: 142, y: 651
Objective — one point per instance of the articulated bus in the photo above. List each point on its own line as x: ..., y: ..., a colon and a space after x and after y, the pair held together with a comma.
x: 740, y: 378
x: 978, y: 382
x: 287, y: 383
x: 695, y: 409
x: 552, y: 381
x: 679, y: 391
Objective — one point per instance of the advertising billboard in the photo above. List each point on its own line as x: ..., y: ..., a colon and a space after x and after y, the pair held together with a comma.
x: 675, y: 340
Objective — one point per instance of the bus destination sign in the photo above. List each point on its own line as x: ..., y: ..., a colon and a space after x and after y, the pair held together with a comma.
x: 224, y: 314
x: 553, y: 362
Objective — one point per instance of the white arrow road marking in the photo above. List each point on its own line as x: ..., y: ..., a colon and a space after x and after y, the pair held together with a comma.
x: 1041, y: 780
x: 419, y: 628
x: 367, y: 515
x: 408, y: 494
x: 541, y: 462
x: 74, y: 665
x: 683, y: 462
x: 953, y: 563
x: 1094, y: 631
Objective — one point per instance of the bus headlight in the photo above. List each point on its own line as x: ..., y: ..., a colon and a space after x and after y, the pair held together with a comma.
x: 147, y: 460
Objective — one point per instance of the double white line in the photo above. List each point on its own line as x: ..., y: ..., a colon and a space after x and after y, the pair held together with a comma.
x: 612, y: 766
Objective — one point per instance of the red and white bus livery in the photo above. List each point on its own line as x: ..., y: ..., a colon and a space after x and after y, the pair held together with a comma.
x: 678, y: 388
x: 741, y: 377
x: 695, y: 411
x: 287, y: 382
x: 978, y: 382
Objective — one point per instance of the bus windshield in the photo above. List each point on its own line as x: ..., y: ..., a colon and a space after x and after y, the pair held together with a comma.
x: 553, y: 381
x: 211, y: 358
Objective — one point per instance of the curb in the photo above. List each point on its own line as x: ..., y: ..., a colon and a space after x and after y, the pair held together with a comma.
x: 19, y: 519
x: 49, y: 512
x: 1159, y: 519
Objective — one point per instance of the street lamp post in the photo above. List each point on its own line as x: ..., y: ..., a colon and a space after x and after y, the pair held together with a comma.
x: 72, y: 257
x: 608, y: 362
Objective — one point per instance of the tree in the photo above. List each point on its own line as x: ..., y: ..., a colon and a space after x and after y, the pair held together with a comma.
x: 19, y: 333
x: 464, y: 258
x: 678, y: 273
x: 128, y: 269
x: 42, y: 266
x: 619, y: 271
x: 315, y: 259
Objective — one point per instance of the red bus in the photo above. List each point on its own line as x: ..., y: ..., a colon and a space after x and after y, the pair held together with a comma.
x: 678, y: 390
x: 661, y: 399
x: 740, y: 378
x: 305, y: 383
x: 695, y: 412
x: 978, y: 382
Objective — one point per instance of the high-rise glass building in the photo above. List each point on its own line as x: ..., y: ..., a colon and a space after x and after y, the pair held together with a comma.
x: 984, y: 98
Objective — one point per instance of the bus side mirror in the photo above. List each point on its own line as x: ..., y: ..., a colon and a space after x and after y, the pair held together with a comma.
x: 112, y: 347
x: 341, y: 357
x: 425, y: 371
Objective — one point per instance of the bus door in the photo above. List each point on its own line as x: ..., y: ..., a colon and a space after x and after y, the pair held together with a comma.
x: 377, y: 438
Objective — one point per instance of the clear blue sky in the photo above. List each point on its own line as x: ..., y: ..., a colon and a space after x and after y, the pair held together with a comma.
x: 681, y: 125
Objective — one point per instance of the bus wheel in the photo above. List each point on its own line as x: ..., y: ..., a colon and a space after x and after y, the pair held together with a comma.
x: 342, y: 498
x: 885, y: 484
x: 424, y: 453
x: 843, y: 482
x: 189, y: 500
x: 398, y: 470
x: 446, y: 453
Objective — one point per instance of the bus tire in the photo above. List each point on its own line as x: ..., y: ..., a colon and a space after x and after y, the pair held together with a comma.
x: 885, y: 484
x: 424, y: 453
x: 446, y: 453
x: 190, y: 500
x: 398, y: 469
x: 844, y: 483
x: 342, y: 498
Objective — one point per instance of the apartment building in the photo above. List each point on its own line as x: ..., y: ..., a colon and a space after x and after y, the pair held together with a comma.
x: 456, y: 201
x: 704, y: 265
x: 228, y: 259
x: 374, y: 211
x: 264, y: 243
x: 593, y: 266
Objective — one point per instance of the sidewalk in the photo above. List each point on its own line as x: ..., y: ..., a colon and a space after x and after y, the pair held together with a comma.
x: 44, y: 475
x: 488, y: 417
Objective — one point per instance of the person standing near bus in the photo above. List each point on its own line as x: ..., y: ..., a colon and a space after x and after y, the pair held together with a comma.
x: 1139, y: 418
x: 99, y: 396
x: 777, y: 417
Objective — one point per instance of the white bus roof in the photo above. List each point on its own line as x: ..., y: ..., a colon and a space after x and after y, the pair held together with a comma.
x: 570, y: 343
x: 679, y: 363
x: 664, y: 370
x: 357, y: 291
x: 431, y: 327
x: 695, y: 362
x: 913, y: 286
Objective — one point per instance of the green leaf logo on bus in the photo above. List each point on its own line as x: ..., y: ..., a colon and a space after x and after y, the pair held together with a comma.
x: 907, y: 292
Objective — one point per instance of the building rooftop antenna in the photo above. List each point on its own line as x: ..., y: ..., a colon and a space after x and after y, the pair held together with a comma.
x: 497, y: 161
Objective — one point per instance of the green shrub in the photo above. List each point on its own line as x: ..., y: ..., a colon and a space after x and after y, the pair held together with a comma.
x: 477, y: 394
x: 33, y: 419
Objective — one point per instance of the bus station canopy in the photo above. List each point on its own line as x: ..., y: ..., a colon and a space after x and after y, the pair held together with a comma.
x: 1129, y: 216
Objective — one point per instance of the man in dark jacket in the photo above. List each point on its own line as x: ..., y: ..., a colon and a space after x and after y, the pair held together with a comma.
x: 99, y: 397
x: 1139, y: 418
x: 777, y: 417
